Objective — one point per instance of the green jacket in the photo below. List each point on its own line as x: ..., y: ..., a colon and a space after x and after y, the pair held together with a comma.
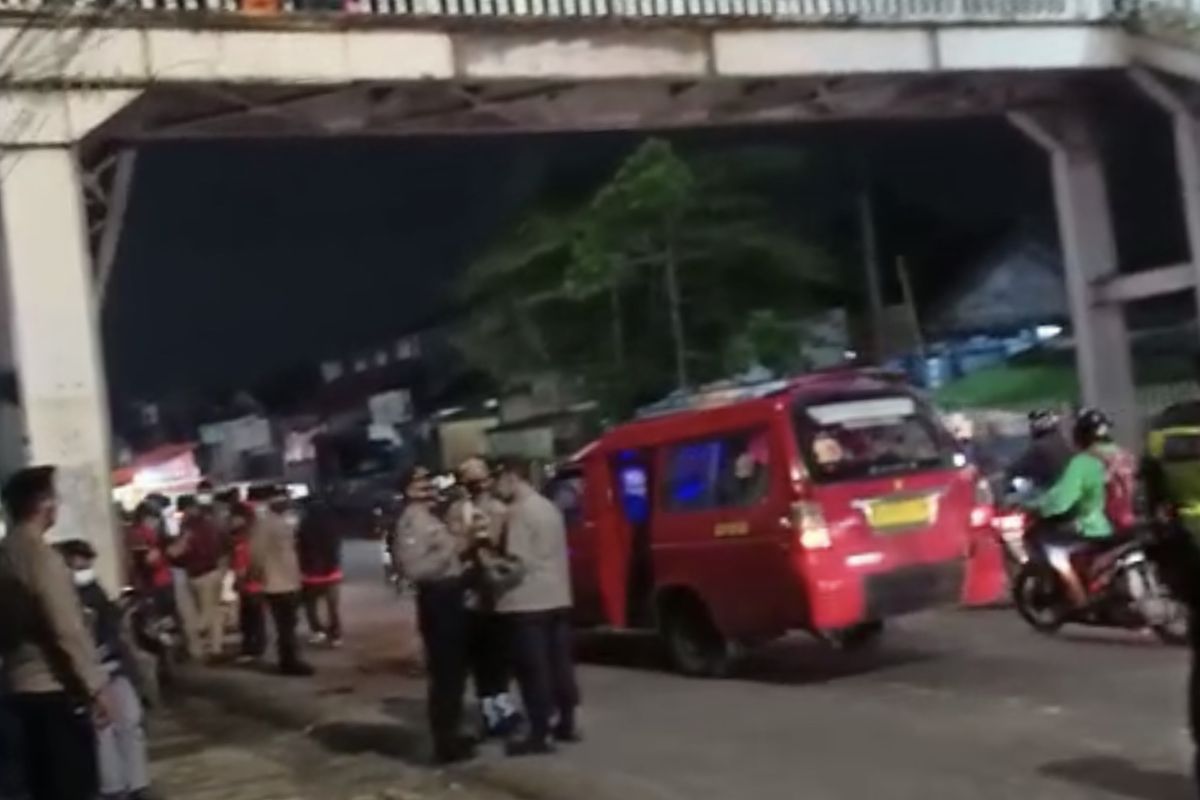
x: 1080, y: 491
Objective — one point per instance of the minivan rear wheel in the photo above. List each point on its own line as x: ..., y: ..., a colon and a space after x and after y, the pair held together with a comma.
x: 694, y: 644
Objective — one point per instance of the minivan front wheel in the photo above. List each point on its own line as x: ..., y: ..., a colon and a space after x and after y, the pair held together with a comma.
x: 694, y: 644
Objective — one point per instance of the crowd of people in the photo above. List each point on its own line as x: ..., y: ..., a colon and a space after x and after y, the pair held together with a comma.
x: 493, y: 597
x: 75, y: 676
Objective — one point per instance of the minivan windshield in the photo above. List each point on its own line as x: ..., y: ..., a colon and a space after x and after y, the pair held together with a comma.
x: 850, y: 438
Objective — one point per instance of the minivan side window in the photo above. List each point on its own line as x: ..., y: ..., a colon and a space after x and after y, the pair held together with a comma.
x: 730, y: 471
x: 567, y: 493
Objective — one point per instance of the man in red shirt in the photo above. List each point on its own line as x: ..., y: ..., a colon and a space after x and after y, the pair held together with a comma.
x: 151, y: 570
x: 252, y: 619
x: 200, y: 551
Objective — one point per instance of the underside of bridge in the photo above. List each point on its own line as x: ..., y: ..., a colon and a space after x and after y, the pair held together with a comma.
x: 70, y: 129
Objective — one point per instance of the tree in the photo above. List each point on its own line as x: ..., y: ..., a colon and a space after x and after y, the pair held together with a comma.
x: 681, y: 263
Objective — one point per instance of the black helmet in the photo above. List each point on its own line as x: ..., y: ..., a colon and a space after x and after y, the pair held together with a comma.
x: 1043, y: 421
x: 1092, y: 425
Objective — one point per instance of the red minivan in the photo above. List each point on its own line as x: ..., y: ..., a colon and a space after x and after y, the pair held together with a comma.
x: 826, y: 503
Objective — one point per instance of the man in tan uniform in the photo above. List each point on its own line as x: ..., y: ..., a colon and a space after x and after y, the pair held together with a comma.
x: 274, y: 560
x: 478, y: 520
x: 50, y: 661
x: 431, y: 557
x: 538, y: 609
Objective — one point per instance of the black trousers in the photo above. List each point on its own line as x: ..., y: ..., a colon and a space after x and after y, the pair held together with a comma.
x: 252, y: 622
x: 330, y: 596
x: 541, y: 647
x: 12, y: 756
x: 442, y: 620
x: 489, y: 652
x: 285, y: 611
x: 59, y: 746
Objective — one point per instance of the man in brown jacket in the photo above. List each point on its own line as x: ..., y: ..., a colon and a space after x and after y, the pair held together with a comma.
x: 538, y: 608
x: 273, y: 559
x: 50, y: 662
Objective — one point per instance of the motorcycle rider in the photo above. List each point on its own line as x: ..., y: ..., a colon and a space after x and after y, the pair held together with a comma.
x: 1048, y: 454
x: 1093, y: 496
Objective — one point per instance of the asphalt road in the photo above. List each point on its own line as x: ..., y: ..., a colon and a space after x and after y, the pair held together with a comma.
x: 954, y: 704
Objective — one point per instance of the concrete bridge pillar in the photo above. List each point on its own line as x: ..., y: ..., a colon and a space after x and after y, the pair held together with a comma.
x: 1090, y: 258
x: 47, y: 282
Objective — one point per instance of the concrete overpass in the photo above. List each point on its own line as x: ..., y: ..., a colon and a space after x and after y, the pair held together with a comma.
x: 83, y: 84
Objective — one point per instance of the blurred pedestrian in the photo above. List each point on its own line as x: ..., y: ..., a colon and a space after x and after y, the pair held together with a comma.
x: 151, y: 569
x: 273, y: 556
x: 252, y: 620
x: 50, y: 664
x: 430, y: 557
x: 477, y: 519
x: 200, y: 551
x: 320, y: 545
x: 538, y: 608
x: 121, y: 745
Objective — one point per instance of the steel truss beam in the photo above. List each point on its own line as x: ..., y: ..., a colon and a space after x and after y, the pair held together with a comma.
x: 514, y: 107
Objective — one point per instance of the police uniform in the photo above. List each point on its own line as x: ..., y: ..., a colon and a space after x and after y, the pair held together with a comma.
x: 429, y: 555
x: 470, y: 520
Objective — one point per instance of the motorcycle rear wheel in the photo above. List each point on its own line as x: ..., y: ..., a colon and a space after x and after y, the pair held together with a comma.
x: 1040, y: 597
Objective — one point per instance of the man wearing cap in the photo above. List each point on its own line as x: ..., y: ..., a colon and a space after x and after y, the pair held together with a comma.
x: 430, y: 556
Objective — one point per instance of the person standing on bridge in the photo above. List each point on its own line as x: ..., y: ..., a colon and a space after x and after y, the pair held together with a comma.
x: 431, y: 557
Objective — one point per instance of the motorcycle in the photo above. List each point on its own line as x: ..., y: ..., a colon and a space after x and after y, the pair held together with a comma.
x: 1010, y: 524
x: 153, y: 632
x: 1120, y: 586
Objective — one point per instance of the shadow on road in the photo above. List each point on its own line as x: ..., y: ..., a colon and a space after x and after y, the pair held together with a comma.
x: 1111, y: 638
x: 792, y: 661
x: 1121, y: 778
x: 385, y: 739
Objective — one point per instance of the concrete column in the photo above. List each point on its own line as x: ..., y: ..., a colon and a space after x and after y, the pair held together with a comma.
x: 52, y: 318
x: 1089, y: 257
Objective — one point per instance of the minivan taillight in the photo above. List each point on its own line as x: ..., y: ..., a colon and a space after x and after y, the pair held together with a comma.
x: 985, y: 505
x: 809, y: 522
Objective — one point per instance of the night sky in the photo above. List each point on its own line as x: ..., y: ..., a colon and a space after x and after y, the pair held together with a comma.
x: 240, y: 258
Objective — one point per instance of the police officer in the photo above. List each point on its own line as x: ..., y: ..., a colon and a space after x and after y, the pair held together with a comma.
x: 1171, y: 476
x: 477, y: 519
x: 431, y: 557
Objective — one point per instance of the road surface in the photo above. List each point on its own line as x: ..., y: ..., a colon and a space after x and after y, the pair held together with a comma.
x: 955, y: 704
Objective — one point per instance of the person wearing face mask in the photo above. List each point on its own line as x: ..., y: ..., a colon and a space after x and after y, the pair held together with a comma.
x: 59, y: 690
x: 200, y: 551
x: 477, y: 520
x: 273, y: 557
x: 121, y: 746
x: 431, y: 556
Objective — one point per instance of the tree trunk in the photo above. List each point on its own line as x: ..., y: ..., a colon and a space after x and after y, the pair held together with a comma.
x: 870, y: 254
x: 671, y: 279
x: 618, y: 326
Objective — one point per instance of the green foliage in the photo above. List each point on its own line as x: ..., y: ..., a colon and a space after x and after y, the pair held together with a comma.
x: 589, y: 290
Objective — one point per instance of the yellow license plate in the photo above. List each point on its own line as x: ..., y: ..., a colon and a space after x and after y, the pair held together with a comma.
x: 899, y: 513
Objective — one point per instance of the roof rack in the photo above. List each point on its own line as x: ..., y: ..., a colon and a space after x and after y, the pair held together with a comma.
x: 726, y: 392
